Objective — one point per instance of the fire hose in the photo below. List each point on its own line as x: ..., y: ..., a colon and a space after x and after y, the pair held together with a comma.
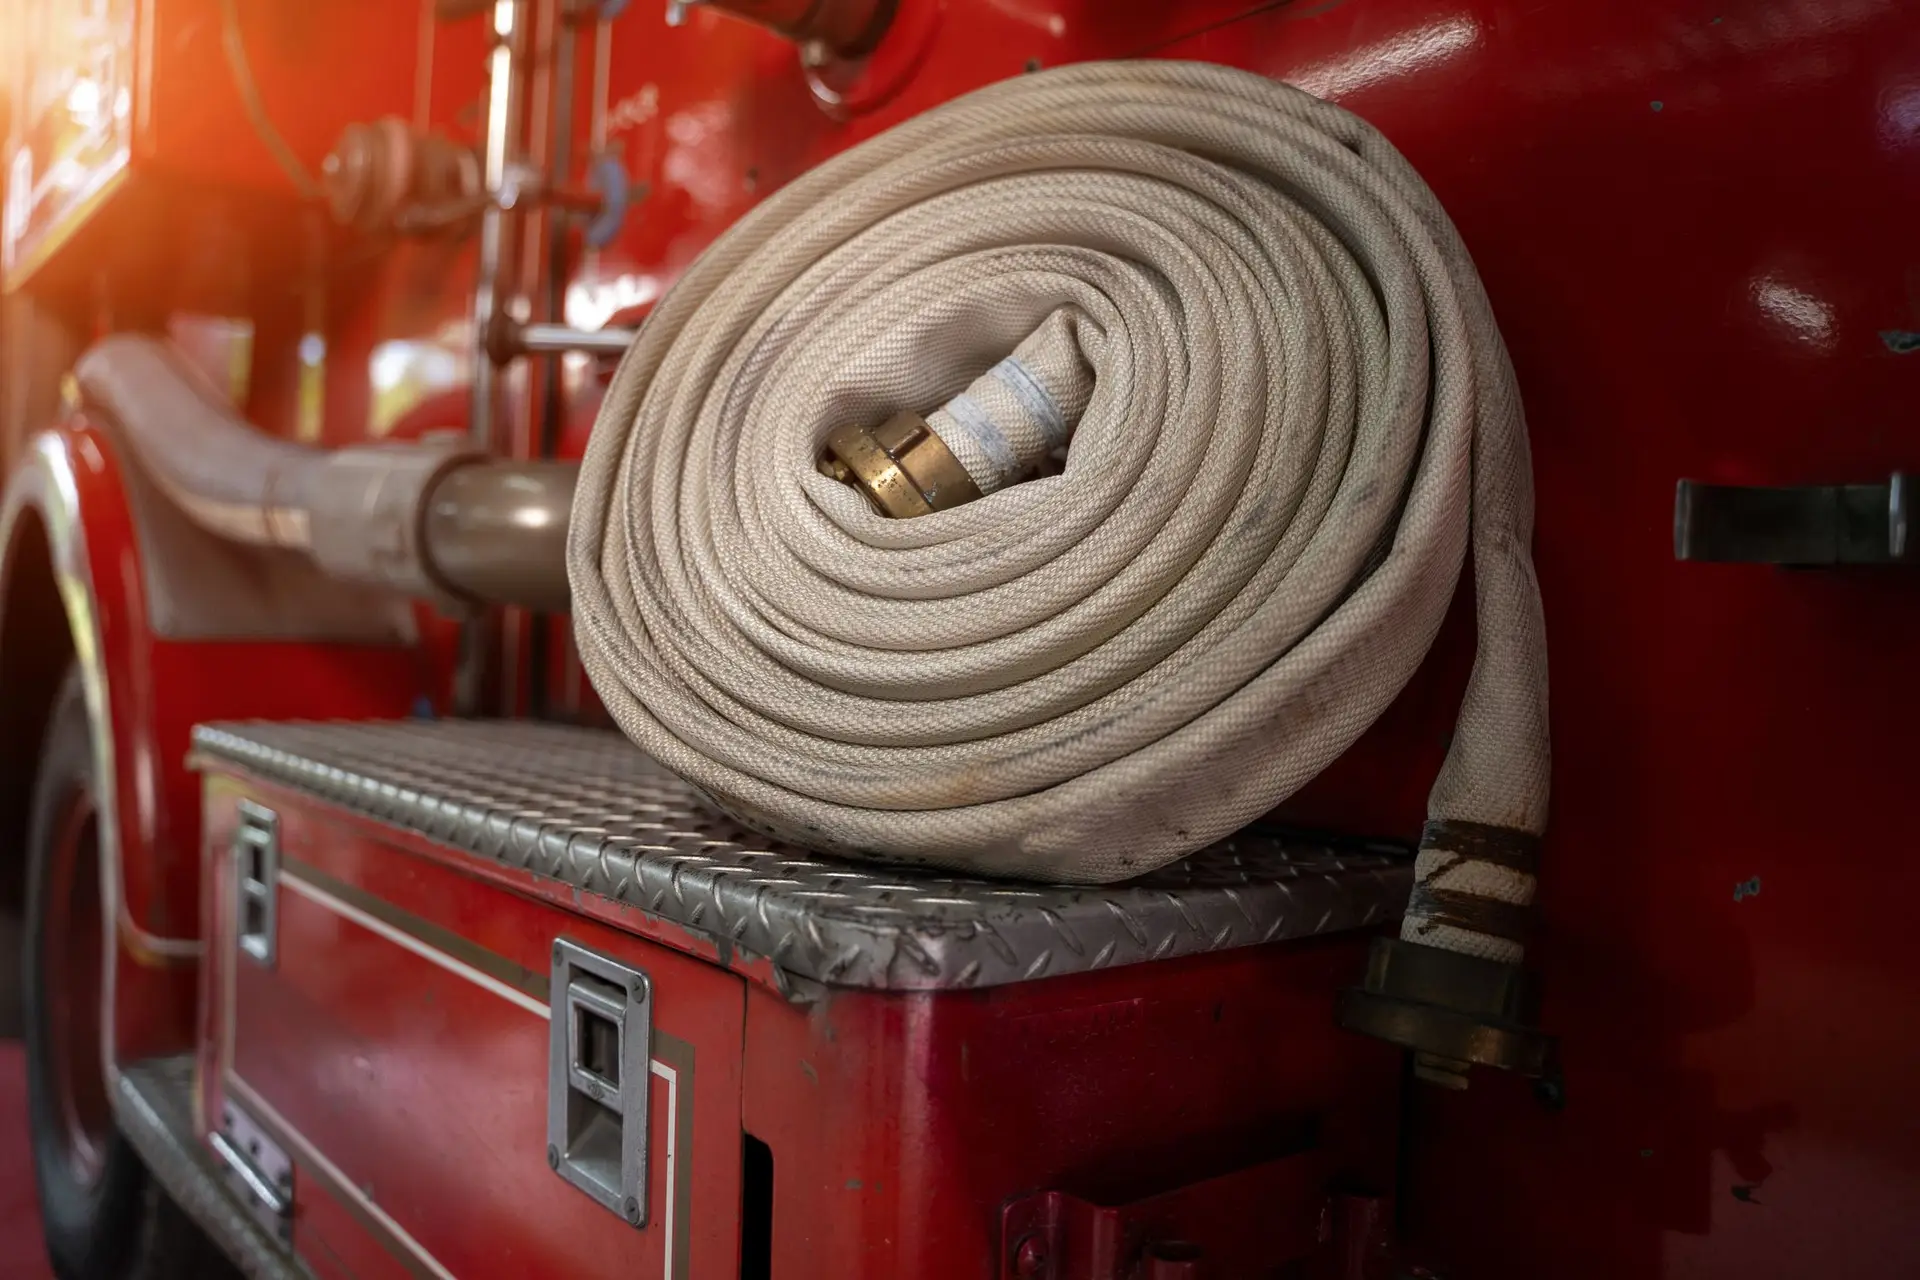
x: 1294, y: 415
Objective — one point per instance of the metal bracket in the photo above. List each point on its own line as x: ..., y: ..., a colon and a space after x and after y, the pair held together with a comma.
x: 256, y: 878
x: 1795, y: 525
x: 1195, y: 1230
x: 599, y: 1078
x: 257, y: 1170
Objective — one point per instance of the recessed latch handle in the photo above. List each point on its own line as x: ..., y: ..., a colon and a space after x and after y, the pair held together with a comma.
x: 256, y: 880
x: 599, y: 1078
x: 1799, y: 525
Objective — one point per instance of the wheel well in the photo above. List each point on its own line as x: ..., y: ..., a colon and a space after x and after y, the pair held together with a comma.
x: 36, y: 648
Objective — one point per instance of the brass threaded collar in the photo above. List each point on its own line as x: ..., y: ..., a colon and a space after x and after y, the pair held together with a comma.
x: 902, y: 466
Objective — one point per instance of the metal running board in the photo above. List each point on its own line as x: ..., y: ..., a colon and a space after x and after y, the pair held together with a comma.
x: 152, y: 1102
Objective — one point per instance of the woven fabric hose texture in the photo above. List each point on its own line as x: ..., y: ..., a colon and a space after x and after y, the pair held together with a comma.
x: 1301, y: 418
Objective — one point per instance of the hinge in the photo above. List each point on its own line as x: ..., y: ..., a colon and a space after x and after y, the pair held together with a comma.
x: 257, y: 1170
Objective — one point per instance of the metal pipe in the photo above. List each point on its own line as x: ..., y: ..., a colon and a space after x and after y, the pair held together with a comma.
x: 435, y: 522
x: 228, y: 478
x: 497, y: 531
x: 602, y: 77
x: 504, y: 109
x: 566, y: 54
x: 559, y: 164
x: 480, y: 637
x: 559, y: 339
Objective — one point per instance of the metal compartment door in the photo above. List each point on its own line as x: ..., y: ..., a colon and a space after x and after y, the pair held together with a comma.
x: 382, y: 1019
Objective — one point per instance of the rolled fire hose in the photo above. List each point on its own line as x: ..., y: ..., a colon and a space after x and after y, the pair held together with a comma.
x: 1298, y: 415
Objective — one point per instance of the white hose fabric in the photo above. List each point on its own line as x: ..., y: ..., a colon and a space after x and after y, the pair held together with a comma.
x: 1022, y: 411
x: 1302, y: 414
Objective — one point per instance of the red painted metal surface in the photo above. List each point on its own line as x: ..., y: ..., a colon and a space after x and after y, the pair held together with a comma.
x: 1694, y: 222
x: 134, y: 118
x: 157, y: 691
x: 1065, y: 1237
x: 422, y: 1080
x: 151, y: 692
x: 899, y: 1125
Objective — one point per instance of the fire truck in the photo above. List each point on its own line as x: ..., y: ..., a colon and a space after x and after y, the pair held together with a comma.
x: 808, y: 638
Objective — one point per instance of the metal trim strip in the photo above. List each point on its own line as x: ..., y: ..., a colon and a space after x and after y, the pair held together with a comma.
x: 529, y: 982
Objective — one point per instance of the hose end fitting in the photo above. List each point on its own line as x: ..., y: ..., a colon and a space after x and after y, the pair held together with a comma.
x: 902, y: 466
x: 1455, y: 1011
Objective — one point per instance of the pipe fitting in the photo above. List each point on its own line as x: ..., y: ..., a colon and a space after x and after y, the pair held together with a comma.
x: 497, y: 531
x: 382, y: 176
x: 507, y: 339
x: 1455, y: 1011
x: 902, y: 467
x: 443, y: 522
x: 367, y: 518
x: 1005, y: 427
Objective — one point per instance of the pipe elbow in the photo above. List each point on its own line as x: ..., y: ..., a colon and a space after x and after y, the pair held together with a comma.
x: 443, y: 523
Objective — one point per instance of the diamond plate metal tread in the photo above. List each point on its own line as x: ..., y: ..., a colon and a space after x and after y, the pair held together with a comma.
x: 152, y: 1104
x: 586, y: 807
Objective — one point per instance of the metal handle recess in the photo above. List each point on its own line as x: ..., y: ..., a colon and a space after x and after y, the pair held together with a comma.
x: 601, y: 1054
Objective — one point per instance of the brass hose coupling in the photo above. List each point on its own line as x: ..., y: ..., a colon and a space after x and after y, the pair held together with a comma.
x: 1454, y: 1011
x: 902, y: 466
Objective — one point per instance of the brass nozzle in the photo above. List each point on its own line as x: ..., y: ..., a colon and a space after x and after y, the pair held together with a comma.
x: 902, y: 466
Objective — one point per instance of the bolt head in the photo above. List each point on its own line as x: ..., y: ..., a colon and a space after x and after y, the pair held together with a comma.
x: 1030, y: 1259
x: 553, y: 1156
x: 633, y: 1210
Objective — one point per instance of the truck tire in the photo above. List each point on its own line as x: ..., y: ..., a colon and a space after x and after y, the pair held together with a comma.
x: 103, y: 1216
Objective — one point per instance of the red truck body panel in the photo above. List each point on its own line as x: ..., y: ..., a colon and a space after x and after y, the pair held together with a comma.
x: 400, y: 1042
x: 397, y: 1049
x: 1694, y: 222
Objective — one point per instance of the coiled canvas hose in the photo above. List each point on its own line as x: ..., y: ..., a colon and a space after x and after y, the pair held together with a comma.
x: 1302, y: 415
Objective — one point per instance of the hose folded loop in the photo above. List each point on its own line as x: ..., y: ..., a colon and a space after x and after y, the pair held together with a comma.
x: 1300, y: 416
